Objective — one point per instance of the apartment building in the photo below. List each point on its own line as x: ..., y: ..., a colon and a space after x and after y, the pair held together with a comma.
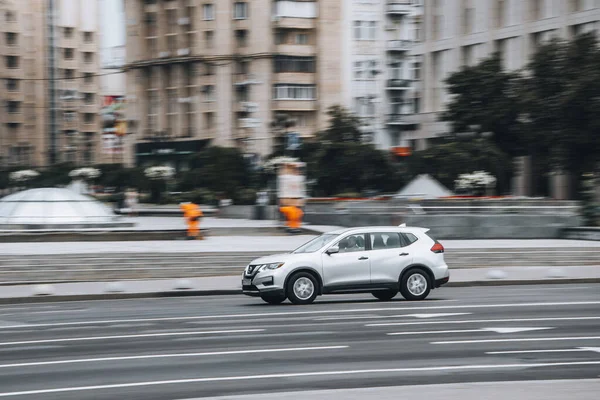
x: 454, y: 33
x: 22, y: 108
x: 213, y: 71
x: 49, y: 70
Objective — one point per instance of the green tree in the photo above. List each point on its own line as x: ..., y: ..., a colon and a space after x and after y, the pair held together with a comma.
x: 487, y: 98
x: 340, y: 163
x: 221, y: 170
x: 446, y: 160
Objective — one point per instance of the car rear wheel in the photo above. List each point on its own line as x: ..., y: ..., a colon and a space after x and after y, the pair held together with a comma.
x: 415, y: 284
x: 385, y: 295
x: 302, y: 288
x: 273, y: 298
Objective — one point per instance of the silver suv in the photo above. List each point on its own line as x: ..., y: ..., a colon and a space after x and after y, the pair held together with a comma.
x: 378, y: 260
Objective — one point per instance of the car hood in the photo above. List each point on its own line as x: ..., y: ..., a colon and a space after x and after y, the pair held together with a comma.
x: 275, y: 258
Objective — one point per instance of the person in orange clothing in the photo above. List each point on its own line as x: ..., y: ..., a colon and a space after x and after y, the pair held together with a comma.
x: 192, y: 215
x: 293, y: 217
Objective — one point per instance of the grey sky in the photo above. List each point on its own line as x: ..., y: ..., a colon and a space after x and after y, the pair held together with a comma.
x: 113, y: 23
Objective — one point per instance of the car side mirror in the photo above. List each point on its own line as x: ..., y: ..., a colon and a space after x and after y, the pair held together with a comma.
x: 333, y: 250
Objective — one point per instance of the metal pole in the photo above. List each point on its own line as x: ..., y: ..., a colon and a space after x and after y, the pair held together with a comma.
x: 50, y: 20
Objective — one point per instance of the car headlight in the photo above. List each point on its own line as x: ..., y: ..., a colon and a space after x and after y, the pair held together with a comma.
x: 270, y: 266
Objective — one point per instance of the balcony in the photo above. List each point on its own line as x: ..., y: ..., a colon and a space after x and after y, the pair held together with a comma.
x: 398, y: 84
x: 399, y: 7
x: 296, y: 49
x: 399, y: 45
x: 398, y: 119
x: 15, y: 118
x: 294, y: 105
x: 292, y: 14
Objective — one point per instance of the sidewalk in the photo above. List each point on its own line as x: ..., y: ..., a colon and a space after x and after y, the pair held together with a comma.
x: 230, y: 285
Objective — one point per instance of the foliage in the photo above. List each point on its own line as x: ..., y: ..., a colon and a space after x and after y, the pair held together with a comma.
x: 342, y: 163
x: 448, y: 159
x: 486, y: 100
x: 23, y: 175
x: 590, y: 205
x: 549, y: 111
x: 85, y: 173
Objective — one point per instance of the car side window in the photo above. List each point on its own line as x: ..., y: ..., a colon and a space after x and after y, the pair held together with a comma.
x: 385, y: 240
x: 409, y: 238
x: 352, y: 243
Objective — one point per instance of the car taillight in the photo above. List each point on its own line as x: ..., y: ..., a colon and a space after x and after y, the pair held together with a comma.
x: 437, y: 248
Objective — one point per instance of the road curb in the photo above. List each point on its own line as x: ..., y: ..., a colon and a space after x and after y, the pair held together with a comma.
x: 221, y: 292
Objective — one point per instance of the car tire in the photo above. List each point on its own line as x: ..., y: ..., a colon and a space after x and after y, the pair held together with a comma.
x: 385, y: 295
x: 302, y: 288
x: 415, y: 284
x: 273, y: 298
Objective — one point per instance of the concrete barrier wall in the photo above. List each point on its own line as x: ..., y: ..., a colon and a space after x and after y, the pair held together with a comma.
x: 582, y: 233
x: 469, y: 220
x: 246, y: 212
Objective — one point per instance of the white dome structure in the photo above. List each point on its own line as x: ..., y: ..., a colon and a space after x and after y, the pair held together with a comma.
x: 54, y: 208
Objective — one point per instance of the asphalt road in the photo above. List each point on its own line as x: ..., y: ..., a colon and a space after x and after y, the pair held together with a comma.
x: 197, y: 347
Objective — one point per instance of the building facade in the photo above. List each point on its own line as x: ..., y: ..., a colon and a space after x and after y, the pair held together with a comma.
x: 22, y: 108
x: 49, y: 69
x: 204, y: 71
x: 454, y: 33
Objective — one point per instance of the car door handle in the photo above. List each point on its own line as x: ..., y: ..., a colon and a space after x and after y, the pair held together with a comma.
x: 364, y: 258
x: 403, y: 254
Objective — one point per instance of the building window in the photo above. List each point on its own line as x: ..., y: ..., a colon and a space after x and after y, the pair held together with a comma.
x: 419, y: 31
x: 301, y: 38
x: 500, y: 13
x: 209, y: 120
x: 576, y: 5
x: 11, y: 38
x: 294, y: 92
x: 242, y: 67
x: 242, y: 93
x: 294, y: 64
x: 280, y: 36
x: 13, y: 107
x: 241, y: 37
x: 209, y: 39
x: 88, y: 148
x: 88, y: 78
x: 88, y: 37
x: 69, y: 54
x: 88, y: 57
x: 68, y: 33
x: 417, y: 70
x: 468, y: 17
x: 365, y: 30
x: 12, y: 62
x: 209, y: 93
x: 10, y: 16
x: 12, y: 85
x: 151, y: 25
x: 209, y: 12
x: 88, y: 118
x: 69, y: 116
x: 69, y: 73
x: 209, y: 69
x: 89, y: 98
x: 152, y: 46
x: 240, y: 10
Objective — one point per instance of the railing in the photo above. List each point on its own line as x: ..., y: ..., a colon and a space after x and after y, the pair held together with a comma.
x: 398, y: 83
x: 399, y: 45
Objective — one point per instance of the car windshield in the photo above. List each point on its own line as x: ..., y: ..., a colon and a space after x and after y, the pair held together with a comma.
x: 315, y: 244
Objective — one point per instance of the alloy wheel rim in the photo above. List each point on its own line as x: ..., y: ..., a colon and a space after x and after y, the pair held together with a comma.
x: 303, y: 288
x: 417, y: 284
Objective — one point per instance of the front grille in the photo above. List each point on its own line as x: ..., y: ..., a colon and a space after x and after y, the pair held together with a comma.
x: 251, y: 270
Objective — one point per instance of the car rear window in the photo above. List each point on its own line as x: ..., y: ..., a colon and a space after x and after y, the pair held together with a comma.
x: 410, y: 238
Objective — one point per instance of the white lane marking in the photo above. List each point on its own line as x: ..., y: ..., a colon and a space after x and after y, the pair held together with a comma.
x: 176, y: 355
x: 479, y: 321
x: 544, y: 339
x: 275, y: 314
x: 142, y: 335
x: 420, y: 316
x: 576, y: 349
x: 297, y: 375
x: 44, y: 312
x: 497, y: 330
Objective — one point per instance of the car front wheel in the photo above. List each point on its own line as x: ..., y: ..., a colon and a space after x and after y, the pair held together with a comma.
x: 302, y: 288
x: 415, y: 284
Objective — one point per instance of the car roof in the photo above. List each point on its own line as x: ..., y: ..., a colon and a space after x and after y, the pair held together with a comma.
x: 379, y: 228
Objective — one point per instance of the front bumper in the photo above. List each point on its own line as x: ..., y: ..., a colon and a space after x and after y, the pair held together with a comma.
x: 262, y: 284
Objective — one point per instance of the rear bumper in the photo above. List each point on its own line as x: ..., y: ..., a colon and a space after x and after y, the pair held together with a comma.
x: 440, y: 282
